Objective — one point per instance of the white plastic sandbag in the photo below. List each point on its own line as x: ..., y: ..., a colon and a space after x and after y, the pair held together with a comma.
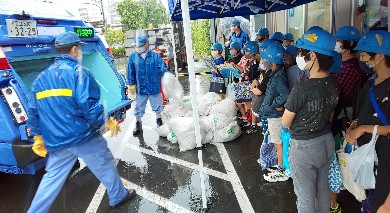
x: 163, y: 130
x: 228, y: 133
x: 206, y: 101
x: 361, y: 162
x: 172, y: 87
x: 221, y: 121
x: 171, y: 137
x: 202, y: 84
x: 184, y: 130
x: 226, y: 107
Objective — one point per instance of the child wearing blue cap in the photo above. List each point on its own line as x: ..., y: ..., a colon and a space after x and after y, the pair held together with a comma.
x: 308, y: 112
x: 374, y: 109
x: 217, y: 82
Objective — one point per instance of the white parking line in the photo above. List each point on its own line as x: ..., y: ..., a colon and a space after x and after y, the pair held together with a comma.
x: 239, y: 190
x: 157, y: 199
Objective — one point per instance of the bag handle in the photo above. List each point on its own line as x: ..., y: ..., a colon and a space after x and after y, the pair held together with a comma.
x: 374, y: 133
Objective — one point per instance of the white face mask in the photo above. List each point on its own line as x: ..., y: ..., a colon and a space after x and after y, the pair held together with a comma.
x: 233, y: 52
x: 301, y: 62
x: 338, y: 47
x: 140, y: 49
x: 383, y: 12
x: 214, y: 53
x: 80, y: 56
x: 265, y: 65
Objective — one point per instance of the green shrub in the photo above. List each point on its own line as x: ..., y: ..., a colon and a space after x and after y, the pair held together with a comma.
x: 120, y: 51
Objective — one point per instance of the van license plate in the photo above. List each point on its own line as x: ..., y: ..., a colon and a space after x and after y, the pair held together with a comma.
x: 21, y: 28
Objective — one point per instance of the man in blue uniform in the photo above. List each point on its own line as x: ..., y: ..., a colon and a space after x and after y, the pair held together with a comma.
x: 66, y: 113
x: 144, y: 71
x: 237, y: 35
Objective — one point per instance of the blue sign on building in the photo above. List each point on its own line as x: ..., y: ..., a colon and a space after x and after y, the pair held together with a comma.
x: 291, y: 12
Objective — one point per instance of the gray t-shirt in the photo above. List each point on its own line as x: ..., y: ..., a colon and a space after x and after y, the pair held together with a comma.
x: 313, y: 101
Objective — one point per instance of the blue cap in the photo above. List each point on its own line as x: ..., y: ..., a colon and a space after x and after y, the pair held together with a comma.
x: 273, y: 54
x: 217, y: 46
x: 235, y: 22
x: 317, y: 40
x: 292, y: 50
x: 288, y: 36
x: 377, y: 41
x: 252, y: 47
x: 265, y: 43
x: 348, y: 33
x: 234, y: 45
x: 140, y: 41
x: 262, y: 31
x: 67, y: 38
x: 277, y: 36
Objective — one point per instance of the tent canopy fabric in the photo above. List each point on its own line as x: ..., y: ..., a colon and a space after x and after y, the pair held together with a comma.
x: 208, y: 9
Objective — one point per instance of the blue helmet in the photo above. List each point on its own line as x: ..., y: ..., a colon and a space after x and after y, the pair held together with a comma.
x: 318, y: 40
x: 273, y: 54
x: 277, y: 36
x: 234, y: 45
x: 348, y: 33
x: 252, y: 47
x: 235, y: 22
x: 262, y: 31
x: 217, y: 46
x: 288, y: 36
x: 292, y: 50
x: 265, y: 43
x: 377, y: 41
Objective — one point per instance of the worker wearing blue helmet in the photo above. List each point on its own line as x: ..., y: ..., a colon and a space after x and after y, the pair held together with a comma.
x: 262, y: 34
x: 273, y: 104
x: 237, y: 35
x: 65, y: 115
x: 308, y: 111
x: 373, y: 110
x: 288, y: 39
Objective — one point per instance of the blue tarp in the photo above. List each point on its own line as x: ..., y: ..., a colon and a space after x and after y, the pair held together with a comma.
x: 208, y: 9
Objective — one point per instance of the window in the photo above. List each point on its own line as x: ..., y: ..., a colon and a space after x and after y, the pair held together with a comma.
x: 318, y: 14
x: 295, y: 21
x: 372, y: 13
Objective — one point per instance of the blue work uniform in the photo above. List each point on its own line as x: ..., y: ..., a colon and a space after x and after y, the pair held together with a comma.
x: 145, y: 74
x: 218, y: 61
x: 65, y: 109
x: 241, y: 38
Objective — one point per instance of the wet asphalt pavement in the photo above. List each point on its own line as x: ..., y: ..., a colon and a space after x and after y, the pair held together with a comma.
x: 167, y: 180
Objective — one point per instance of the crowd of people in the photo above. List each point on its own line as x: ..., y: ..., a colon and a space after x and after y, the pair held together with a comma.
x: 313, y: 88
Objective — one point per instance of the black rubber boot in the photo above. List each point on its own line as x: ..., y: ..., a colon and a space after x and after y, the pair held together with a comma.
x: 159, y: 122
x: 131, y: 194
x: 138, y: 128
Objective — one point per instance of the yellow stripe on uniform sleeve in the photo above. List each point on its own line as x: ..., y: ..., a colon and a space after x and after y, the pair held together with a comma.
x: 54, y: 93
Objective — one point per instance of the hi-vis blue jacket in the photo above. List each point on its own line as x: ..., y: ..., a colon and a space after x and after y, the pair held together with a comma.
x: 64, y: 107
x: 146, y: 73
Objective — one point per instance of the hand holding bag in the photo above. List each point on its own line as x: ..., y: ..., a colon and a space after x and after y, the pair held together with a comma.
x: 362, y: 163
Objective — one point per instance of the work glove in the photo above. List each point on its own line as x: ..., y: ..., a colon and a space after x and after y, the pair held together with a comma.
x: 132, y: 89
x: 113, y: 126
x: 39, y: 147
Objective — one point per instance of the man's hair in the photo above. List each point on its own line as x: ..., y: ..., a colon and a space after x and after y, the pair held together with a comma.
x: 387, y: 58
x: 65, y: 49
x: 347, y: 45
x: 324, y: 61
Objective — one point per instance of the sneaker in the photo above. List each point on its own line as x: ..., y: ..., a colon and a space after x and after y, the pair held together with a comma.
x: 131, y: 194
x: 245, y: 123
x: 336, y: 209
x: 273, y: 168
x: 260, y: 124
x: 251, y: 130
x: 275, y: 177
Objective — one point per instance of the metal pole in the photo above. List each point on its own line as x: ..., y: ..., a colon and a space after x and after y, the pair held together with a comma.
x: 174, y: 50
x: 190, y: 60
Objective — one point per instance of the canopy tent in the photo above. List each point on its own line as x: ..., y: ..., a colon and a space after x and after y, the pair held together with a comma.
x: 185, y: 10
x: 208, y: 9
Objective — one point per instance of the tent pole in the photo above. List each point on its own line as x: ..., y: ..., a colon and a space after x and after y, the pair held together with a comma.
x: 174, y: 50
x: 190, y: 60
